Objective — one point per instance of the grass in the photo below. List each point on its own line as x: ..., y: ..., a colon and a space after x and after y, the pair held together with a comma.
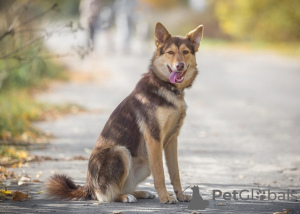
x: 17, y: 110
x: 12, y: 155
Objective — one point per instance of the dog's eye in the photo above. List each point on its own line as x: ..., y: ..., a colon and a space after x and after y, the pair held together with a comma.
x: 171, y: 52
x: 185, y: 52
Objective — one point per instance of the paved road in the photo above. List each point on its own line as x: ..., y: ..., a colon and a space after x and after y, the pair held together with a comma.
x: 241, y: 132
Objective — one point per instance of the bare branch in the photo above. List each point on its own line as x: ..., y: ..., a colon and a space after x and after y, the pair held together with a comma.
x: 40, y: 15
x: 11, y: 29
x: 41, y: 57
x: 5, y: 34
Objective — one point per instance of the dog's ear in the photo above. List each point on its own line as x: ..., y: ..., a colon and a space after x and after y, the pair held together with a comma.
x: 161, y: 34
x: 195, y: 36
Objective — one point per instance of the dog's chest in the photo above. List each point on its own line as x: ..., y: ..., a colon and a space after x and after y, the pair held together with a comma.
x: 170, y: 120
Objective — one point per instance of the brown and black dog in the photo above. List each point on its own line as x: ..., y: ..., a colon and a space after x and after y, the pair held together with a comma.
x: 145, y: 124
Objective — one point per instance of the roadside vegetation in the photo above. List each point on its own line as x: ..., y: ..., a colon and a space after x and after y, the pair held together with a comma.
x: 26, y: 68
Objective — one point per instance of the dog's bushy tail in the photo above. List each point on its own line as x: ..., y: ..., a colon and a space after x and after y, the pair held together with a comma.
x: 62, y: 187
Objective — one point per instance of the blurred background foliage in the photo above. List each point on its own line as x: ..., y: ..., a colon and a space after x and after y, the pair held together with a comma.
x: 236, y: 20
x: 267, y: 20
x: 25, y: 65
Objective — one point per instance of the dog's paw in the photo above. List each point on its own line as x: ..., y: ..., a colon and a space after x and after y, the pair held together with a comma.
x: 168, y: 200
x: 170, y: 193
x: 129, y: 199
x: 143, y: 194
x: 184, y: 197
x: 149, y: 195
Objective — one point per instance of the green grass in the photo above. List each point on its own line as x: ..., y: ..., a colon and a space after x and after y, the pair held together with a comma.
x: 29, y: 73
x: 18, y: 109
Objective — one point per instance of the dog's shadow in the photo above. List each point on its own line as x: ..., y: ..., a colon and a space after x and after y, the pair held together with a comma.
x: 197, y: 202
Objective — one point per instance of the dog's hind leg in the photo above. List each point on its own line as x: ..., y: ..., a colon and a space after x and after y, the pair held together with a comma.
x: 108, y: 170
x: 140, y: 170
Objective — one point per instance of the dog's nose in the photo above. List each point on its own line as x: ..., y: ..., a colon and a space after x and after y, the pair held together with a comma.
x: 180, y: 66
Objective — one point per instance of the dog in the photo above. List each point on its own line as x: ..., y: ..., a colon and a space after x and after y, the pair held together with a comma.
x: 146, y: 123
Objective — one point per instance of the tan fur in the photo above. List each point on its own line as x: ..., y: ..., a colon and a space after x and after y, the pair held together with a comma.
x: 156, y: 164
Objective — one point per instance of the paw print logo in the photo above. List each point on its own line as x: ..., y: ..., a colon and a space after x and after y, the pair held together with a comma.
x: 260, y: 194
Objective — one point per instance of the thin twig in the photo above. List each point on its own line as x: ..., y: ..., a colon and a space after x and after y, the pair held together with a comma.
x: 50, y: 56
x: 5, y: 34
x: 39, y: 15
x: 11, y: 29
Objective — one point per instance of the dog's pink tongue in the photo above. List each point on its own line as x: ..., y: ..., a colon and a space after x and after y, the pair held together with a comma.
x: 173, y: 76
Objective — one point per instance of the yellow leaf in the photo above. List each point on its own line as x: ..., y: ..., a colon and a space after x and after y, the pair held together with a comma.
x: 5, y: 192
x: 22, y: 154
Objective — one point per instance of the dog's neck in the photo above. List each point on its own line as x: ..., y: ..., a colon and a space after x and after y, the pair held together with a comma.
x: 167, y: 85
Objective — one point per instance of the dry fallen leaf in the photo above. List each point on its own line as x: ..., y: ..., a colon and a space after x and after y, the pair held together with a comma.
x: 97, y: 203
x: 19, y: 196
x: 25, y: 178
x: 36, y: 180
x: 285, y: 211
x: 221, y: 204
x: 21, y: 183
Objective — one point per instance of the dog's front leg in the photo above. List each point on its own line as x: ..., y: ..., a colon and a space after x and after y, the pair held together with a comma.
x: 155, y: 149
x: 172, y: 164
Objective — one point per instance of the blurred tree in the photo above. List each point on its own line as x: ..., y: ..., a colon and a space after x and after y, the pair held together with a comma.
x: 68, y: 7
x: 163, y: 4
x: 267, y: 20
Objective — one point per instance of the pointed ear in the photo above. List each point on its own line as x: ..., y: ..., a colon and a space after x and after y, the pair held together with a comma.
x: 161, y: 34
x: 195, y: 36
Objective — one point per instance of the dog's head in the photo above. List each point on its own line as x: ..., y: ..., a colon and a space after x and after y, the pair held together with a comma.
x: 174, y: 59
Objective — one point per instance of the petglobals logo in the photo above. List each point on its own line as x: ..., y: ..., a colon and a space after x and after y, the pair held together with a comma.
x: 197, y: 202
x: 256, y: 194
